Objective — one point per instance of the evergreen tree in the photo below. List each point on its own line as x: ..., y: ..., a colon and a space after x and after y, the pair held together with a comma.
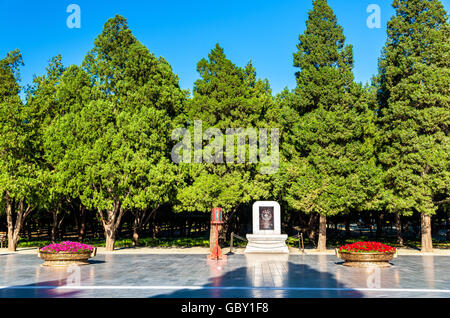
x: 226, y: 96
x: 414, y: 86
x: 330, y: 150
x: 18, y: 174
x: 43, y: 107
x: 116, y: 144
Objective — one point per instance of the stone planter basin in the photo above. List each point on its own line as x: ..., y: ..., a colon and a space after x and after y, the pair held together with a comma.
x: 66, y: 258
x: 357, y: 259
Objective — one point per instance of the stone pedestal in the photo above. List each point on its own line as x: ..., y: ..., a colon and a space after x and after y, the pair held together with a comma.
x: 269, y: 244
x: 266, y: 237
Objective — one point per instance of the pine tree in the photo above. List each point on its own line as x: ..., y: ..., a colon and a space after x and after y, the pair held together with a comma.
x: 332, y: 168
x: 414, y: 87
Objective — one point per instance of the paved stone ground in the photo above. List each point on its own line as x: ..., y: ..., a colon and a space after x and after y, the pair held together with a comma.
x: 205, y: 251
x: 178, y: 275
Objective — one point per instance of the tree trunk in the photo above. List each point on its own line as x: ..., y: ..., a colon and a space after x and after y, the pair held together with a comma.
x: 12, y: 240
x: 141, y: 219
x: 448, y: 226
x: 182, y: 228
x: 110, y: 236
x: 15, y: 226
x: 304, y: 226
x: 135, y: 238
x: 111, y: 224
x: 398, y: 226
x: 380, y: 222
x: 29, y: 230
x: 347, y: 228
x: 82, y: 223
x: 154, y: 227
x: 322, y: 241
x: 425, y: 225
x: 54, y: 224
x: 189, y: 228
x: 427, y: 243
x: 312, y: 224
x: 224, y: 229
x: 136, y: 228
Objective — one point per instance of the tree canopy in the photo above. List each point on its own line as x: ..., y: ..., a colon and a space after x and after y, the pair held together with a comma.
x: 414, y: 105
x: 102, y: 136
x: 332, y: 168
x: 115, y: 146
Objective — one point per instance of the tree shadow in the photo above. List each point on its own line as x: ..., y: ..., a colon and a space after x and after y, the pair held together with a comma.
x: 93, y: 262
x: 46, y: 289
x: 6, y: 254
x: 295, y: 281
x: 411, y: 246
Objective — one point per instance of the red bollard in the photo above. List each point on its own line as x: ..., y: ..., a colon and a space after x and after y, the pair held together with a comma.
x: 216, y: 220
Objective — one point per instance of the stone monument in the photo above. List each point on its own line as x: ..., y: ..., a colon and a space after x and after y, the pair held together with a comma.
x: 266, y: 237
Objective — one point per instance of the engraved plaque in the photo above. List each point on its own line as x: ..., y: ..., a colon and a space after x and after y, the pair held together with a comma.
x: 266, y: 218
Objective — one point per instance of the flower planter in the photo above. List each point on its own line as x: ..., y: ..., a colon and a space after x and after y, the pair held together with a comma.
x: 368, y: 259
x: 66, y: 253
x: 66, y: 258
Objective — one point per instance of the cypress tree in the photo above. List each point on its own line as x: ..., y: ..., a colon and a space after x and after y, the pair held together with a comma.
x: 414, y: 87
x: 113, y: 145
x: 43, y: 107
x: 226, y: 96
x: 332, y: 168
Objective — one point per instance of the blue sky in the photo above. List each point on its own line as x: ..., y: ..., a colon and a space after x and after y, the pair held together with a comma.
x: 183, y: 32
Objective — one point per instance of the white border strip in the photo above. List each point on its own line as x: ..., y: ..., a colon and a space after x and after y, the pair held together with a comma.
x: 75, y: 287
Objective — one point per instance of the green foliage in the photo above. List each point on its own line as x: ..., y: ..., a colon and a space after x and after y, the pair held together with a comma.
x: 43, y: 107
x: 325, y: 77
x: 330, y: 167
x: 110, y: 141
x: 414, y: 86
x: 18, y: 173
x: 226, y: 96
x: 143, y: 242
x: 116, y: 140
x: 100, y: 133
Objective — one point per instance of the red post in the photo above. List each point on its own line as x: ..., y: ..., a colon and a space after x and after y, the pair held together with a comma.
x: 216, y: 220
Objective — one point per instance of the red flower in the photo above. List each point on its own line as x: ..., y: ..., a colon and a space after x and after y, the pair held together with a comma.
x: 367, y: 247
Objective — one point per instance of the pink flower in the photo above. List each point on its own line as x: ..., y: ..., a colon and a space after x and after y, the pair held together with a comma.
x: 68, y: 246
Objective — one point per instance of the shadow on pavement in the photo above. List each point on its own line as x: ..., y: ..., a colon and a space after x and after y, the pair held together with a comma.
x: 46, y: 289
x: 296, y: 281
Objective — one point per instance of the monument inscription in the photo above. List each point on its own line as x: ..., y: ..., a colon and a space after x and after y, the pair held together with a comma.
x: 266, y: 218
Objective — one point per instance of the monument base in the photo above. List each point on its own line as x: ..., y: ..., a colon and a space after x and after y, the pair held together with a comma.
x: 267, y: 244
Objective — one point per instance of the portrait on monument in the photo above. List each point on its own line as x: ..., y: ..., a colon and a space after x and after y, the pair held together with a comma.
x: 266, y: 217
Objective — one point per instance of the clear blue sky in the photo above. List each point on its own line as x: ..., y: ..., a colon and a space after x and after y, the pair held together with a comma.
x: 183, y: 32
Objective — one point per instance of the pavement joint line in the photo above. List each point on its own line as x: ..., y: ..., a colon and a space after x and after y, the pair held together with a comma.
x: 74, y: 287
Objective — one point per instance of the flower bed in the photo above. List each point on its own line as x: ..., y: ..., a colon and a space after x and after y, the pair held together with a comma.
x: 366, y: 254
x: 67, y: 246
x: 367, y: 247
x: 66, y: 253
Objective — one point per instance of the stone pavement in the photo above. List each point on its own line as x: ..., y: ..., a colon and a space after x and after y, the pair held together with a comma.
x: 190, y: 275
x: 205, y: 250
